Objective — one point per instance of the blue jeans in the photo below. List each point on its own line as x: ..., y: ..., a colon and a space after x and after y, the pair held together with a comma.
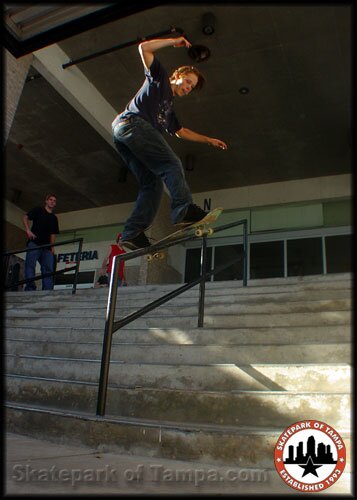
x: 46, y: 259
x: 152, y: 161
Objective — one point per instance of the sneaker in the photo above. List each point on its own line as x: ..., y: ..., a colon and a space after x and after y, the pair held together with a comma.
x: 139, y: 241
x: 194, y: 214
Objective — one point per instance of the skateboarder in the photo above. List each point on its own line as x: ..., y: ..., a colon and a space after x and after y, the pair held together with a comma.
x: 137, y: 134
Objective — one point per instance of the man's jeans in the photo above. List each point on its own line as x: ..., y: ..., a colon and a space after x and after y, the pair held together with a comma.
x: 46, y: 259
x: 152, y: 161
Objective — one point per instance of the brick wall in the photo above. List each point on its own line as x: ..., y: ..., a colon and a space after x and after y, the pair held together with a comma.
x: 15, y: 72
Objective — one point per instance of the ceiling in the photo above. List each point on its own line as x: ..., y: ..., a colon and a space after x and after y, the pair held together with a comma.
x: 294, y: 122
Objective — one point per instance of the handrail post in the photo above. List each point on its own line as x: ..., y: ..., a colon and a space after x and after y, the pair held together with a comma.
x: 245, y: 252
x: 75, y: 280
x: 108, y: 335
x: 201, y: 302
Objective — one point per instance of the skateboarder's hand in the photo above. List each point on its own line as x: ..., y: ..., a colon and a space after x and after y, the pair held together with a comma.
x: 182, y: 42
x: 217, y: 143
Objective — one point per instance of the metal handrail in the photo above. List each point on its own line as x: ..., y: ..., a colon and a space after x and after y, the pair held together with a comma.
x: 7, y: 255
x: 172, y: 30
x: 112, y: 326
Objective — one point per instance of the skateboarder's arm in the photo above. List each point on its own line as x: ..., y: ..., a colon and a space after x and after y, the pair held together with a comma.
x: 148, y: 48
x: 190, y: 135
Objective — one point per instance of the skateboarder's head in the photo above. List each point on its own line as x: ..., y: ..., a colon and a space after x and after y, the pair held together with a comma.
x: 186, y: 79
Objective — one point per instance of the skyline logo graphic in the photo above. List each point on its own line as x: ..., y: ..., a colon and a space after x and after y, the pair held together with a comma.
x: 310, y: 456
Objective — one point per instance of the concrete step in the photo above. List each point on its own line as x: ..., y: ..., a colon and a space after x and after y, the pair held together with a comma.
x: 211, y: 307
x: 202, y: 336
x: 236, y: 408
x: 223, y: 320
x: 224, y: 295
x: 233, y: 446
x: 185, y: 354
x: 272, y: 353
x: 216, y: 376
x: 312, y: 281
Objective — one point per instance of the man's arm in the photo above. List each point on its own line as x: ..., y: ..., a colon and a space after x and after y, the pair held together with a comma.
x: 148, y: 48
x: 52, y: 241
x: 103, y: 269
x: 30, y: 234
x: 190, y: 135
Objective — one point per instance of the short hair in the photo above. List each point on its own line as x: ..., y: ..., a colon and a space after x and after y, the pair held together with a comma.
x: 50, y: 195
x: 184, y: 70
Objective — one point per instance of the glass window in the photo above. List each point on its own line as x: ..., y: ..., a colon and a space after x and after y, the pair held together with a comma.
x: 193, y: 263
x: 304, y: 256
x: 267, y: 260
x: 223, y: 255
x: 338, y: 253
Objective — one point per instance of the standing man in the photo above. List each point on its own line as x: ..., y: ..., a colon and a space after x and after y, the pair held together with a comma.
x: 43, y: 231
x: 137, y: 134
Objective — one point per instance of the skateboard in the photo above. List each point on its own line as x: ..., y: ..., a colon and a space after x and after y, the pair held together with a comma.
x: 200, y: 229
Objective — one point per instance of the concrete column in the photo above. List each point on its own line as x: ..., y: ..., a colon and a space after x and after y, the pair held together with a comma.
x: 15, y: 71
x: 159, y: 272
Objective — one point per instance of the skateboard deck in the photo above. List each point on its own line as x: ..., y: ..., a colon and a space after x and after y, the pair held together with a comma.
x: 200, y: 229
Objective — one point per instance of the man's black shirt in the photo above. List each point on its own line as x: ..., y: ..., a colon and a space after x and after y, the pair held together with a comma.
x: 43, y: 225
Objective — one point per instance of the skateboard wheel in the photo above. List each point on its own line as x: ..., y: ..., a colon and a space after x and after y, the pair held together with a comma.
x: 199, y: 232
x: 149, y: 258
x: 210, y: 231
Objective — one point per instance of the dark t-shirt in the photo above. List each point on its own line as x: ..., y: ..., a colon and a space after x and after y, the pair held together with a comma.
x: 43, y: 225
x: 154, y: 100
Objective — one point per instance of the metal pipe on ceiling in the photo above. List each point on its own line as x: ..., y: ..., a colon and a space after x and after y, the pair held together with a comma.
x: 123, y: 45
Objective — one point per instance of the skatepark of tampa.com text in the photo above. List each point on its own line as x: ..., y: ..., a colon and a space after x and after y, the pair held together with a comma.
x: 140, y: 474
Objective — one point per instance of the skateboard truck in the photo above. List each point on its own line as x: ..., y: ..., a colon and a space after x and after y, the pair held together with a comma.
x: 155, y: 256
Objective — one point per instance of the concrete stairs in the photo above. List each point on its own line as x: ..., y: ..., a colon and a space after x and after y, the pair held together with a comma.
x: 269, y: 355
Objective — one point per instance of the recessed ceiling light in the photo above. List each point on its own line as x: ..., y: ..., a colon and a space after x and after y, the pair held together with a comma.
x: 208, y: 23
x: 244, y: 90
